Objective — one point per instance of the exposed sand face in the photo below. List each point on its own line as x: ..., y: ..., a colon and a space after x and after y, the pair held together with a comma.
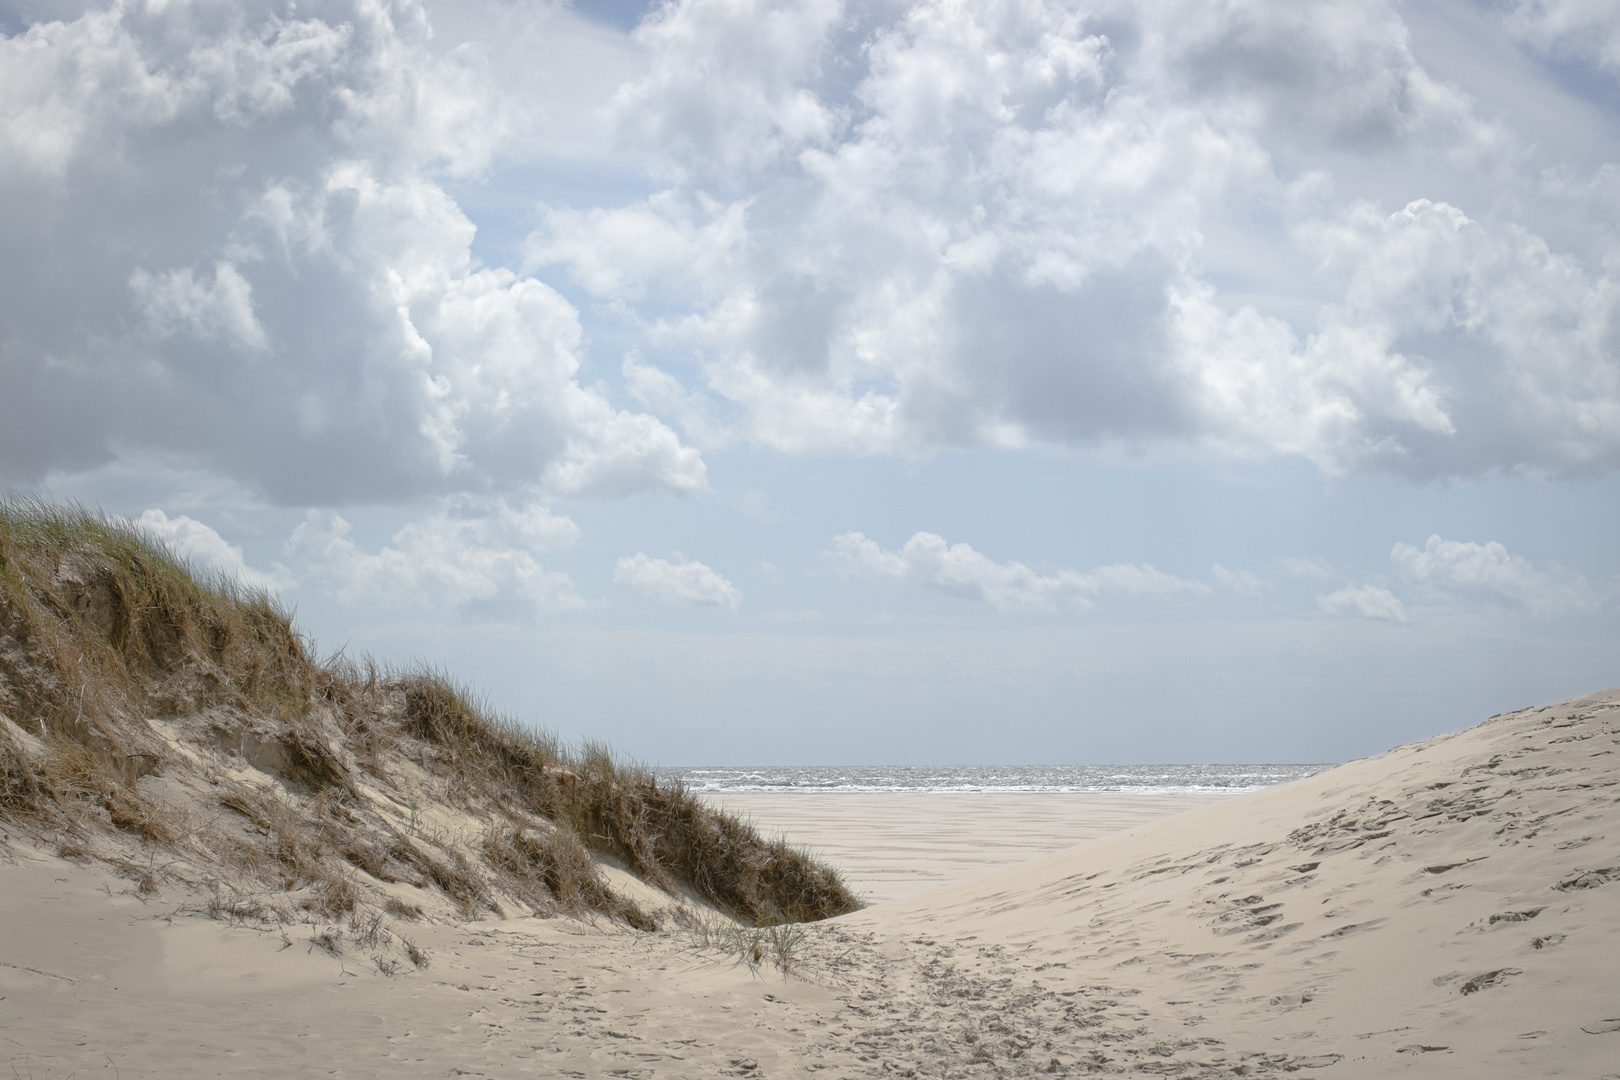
x: 889, y: 846
x: 1451, y: 908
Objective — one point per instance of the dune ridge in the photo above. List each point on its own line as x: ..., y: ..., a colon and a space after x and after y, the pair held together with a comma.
x: 178, y: 729
x: 1446, y: 902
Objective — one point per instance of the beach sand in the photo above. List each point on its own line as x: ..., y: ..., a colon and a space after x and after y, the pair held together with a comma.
x: 894, y: 845
x: 1448, y: 909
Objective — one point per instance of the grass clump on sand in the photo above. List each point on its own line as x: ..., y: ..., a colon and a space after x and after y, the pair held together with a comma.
x: 148, y: 707
x: 754, y: 946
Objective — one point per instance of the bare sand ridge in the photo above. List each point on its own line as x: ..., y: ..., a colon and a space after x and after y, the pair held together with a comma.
x: 1444, y: 909
x: 1451, y: 907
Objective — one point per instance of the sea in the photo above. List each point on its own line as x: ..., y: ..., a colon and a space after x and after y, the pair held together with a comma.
x: 922, y: 779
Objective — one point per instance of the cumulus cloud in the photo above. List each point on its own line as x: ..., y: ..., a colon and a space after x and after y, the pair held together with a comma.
x: 1457, y: 573
x: 830, y: 226
x: 1589, y: 29
x: 229, y: 237
x: 465, y: 557
x: 1495, y: 300
x: 728, y: 89
x: 192, y: 540
x: 893, y: 228
x: 677, y: 581
x: 926, y: 561
x: 1488, y: 571
x: 177, y: 302
x: 1364, y: 602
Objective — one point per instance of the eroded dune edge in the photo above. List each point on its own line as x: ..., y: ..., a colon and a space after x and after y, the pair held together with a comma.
x: 207, y: 874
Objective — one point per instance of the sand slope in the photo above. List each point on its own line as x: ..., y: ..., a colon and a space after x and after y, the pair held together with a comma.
x: 1451, y: 908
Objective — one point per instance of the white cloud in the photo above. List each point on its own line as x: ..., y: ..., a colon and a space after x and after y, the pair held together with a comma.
x: 176, y: 302
x: 1489, y: 571
x: 926, y: 561
x: 725, y: 91
x: 1454, y: 572
x: 830, y: 226
x: 191, y: 539
x: 1365, y: 602
x: 292, y: 297
x: 1238, y: 580
x: 1589, y: 29
x: 464, y: 557
x: 663, y: 243
x: 93, y: 84
x: 665, y: 395
x: 1141, y: 579
x: 1313, y: 567
x: 1520, y: 369
x: 677, y: 581
x: 889, y: 229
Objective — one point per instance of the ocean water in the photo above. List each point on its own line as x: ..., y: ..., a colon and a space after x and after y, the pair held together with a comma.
x: 1140, y: 779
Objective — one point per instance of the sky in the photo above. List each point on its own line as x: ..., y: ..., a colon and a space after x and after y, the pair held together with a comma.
x: 828, y: 381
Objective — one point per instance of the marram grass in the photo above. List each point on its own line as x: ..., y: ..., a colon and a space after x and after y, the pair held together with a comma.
x: 140, y: 696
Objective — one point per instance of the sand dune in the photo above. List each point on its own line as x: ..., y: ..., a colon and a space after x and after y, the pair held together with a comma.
x: 1441, y: 907
x: 1450, y: 908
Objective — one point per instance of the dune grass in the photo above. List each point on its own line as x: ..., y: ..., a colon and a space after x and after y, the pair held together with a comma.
x: 103, y: 629
x: 753, y: 946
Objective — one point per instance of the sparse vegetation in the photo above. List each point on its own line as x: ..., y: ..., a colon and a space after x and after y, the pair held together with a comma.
x: 754, y: 946
x: 154, y: 714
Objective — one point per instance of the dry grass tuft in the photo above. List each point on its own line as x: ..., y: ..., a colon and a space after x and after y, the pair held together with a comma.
x: 552, y: 870
x: 236, y: 908
x: 131, y: 682
x: 400, y: 909
x: 333, y: 896
x: 754, y: 946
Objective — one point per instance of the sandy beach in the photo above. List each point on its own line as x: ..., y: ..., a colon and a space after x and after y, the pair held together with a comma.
x: 893, y: 845
x: 1440, y: 910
